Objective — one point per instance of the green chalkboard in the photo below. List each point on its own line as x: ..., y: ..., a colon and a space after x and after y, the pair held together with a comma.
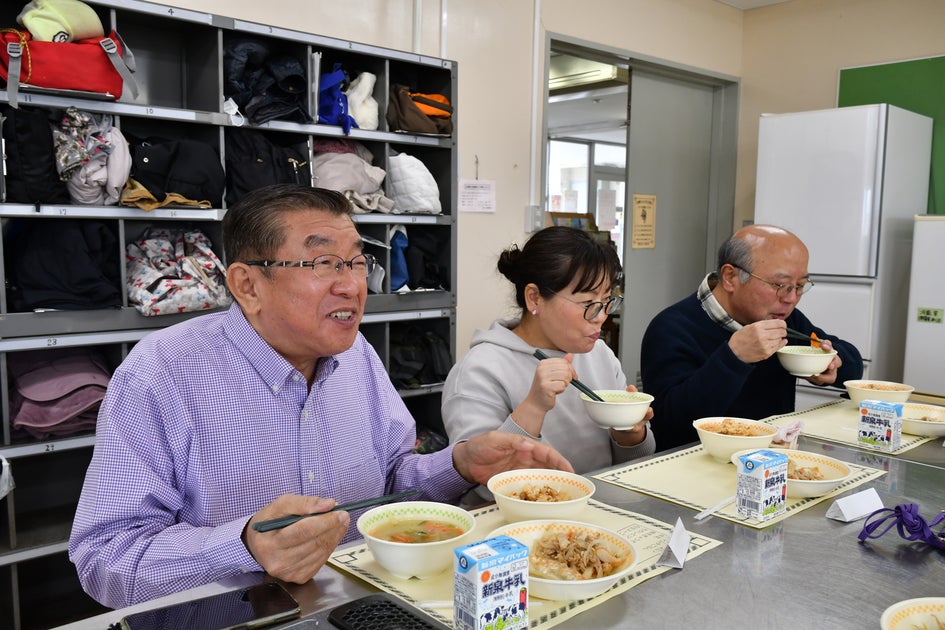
x: 917, y: 85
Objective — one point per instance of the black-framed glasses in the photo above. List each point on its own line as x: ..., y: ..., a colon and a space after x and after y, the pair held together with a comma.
x: 326, y: 266
x: 593, y: 309
x: 783, y: 290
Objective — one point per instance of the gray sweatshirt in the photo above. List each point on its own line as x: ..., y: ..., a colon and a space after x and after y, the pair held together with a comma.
x: 495, y: 376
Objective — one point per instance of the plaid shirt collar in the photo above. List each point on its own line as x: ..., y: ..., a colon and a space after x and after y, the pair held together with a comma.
x: 711, y: 305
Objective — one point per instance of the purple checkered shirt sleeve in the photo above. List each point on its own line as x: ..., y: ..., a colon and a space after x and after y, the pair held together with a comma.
x: 203, y: 425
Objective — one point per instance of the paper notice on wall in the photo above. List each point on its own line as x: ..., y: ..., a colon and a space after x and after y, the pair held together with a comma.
x: 476, y: 195
x: 606, y: 209
x: 644, y: 222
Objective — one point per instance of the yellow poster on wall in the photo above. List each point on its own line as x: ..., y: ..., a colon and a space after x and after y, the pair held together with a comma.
x: 644, y: 222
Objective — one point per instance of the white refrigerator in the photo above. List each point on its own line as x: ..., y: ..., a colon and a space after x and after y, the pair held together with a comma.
x: 925, y: 315
x: 848, y: 182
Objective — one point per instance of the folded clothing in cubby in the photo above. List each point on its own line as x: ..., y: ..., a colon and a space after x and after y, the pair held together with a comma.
x: 56, y: 392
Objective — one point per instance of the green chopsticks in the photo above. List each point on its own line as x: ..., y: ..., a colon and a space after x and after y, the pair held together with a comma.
x: 285, y: 521
x: 587, y: 391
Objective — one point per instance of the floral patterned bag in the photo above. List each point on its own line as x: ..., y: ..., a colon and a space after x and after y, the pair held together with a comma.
x: 173, y: 271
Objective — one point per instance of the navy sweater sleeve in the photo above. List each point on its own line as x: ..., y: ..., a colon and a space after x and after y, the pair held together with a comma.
x: 688, y: 367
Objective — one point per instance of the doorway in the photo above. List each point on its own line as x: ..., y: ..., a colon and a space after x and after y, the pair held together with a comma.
x: 675, y: 132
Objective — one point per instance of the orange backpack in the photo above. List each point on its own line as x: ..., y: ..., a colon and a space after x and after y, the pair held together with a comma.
x: 432, y: 104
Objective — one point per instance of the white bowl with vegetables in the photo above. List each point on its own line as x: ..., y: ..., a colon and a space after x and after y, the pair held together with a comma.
x: 570, y: 560
x: 809, y: 474
x: 540, y: 493
x: 922, y: 419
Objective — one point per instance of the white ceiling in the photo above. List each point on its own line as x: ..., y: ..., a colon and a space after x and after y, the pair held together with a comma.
x: 599, y: 115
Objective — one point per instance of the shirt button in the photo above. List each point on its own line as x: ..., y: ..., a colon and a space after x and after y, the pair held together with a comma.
x: 296, y: 377
x: 275, y: 388
x: 311, y: 476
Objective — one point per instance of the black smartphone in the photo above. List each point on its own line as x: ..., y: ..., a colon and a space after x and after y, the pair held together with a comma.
x: 252, y: 607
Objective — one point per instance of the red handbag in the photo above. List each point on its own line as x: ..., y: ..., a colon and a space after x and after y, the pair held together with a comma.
x: 100, y: 64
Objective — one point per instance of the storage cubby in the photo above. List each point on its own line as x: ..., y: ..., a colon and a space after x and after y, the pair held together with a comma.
x: 180, y: 73
x: 50, y: 593
x: 177, y: 62
x: 44, y: 499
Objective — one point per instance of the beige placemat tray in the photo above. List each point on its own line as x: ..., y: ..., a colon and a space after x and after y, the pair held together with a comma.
x: 839, y: 421
x: 694, y: 479
x: 649, y: 537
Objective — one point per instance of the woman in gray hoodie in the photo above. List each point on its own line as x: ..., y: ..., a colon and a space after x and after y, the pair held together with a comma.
x: 566, y: 284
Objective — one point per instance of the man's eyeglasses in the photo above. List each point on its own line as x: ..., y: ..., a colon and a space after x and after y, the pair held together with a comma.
x: 326, y: 266
x: 593, y: 309
x: 783, y: 290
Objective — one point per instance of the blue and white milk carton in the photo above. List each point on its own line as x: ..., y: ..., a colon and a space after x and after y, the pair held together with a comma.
x: 880, y: 425
x: 761, y: 485
x: 490, y: 585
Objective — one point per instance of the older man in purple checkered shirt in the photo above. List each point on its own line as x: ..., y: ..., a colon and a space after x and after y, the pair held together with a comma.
x: 277, y: 406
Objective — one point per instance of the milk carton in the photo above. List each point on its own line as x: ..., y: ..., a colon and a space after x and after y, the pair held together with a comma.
x: 880, y: 425
x: 490, y: 585
x: 761, y: 485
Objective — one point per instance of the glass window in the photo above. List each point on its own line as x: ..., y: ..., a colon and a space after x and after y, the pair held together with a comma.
x: 610, y: 155
x: 568, y: 173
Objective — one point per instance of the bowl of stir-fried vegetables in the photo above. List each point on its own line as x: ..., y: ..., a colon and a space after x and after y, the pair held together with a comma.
x: 809, y: 474
x: 569, y: 560
x: 536, y: 493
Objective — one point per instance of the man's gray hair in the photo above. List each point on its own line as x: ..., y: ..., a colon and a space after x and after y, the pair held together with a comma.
x: 736, y: 252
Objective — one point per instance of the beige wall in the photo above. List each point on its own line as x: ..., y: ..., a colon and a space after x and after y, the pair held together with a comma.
x: 787, y: 56
x: 495, y: 56
x: 793, y: 53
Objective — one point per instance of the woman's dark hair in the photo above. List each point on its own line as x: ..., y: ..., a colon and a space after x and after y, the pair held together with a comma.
x: 555, y: 257
x: 253, y: 227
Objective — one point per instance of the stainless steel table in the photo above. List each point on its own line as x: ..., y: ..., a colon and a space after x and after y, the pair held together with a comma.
x: 807, y: 571
x: 931, y: 453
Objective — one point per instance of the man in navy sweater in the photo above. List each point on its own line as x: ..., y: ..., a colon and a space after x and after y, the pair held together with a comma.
x: 713, y: 353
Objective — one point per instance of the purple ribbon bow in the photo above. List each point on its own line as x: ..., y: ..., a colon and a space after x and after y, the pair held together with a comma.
x: 906, y: 518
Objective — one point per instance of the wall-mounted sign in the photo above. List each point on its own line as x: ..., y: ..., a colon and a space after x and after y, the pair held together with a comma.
x: 644, y: 222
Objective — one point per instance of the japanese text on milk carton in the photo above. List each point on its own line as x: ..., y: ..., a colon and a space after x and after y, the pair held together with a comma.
x: 761, y: 486
x: 880, y: 425
x: 490, y: 585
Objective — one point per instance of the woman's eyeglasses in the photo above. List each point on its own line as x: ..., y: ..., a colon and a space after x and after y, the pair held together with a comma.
x: 326, y: 266
x: 593, y: 309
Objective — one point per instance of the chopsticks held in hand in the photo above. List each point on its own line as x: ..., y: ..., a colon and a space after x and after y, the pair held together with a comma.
x: 799, y: 336
x: 581, y: 386
x: 285, y: 521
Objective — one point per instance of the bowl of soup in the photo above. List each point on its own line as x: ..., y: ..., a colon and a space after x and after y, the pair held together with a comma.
x: 888, y: 391
x: 536, y: 493
x: 805, y: 361
x: 569, y: 560
x: 415, y: 538
x: 619, y: 409
x: 721, y: 437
